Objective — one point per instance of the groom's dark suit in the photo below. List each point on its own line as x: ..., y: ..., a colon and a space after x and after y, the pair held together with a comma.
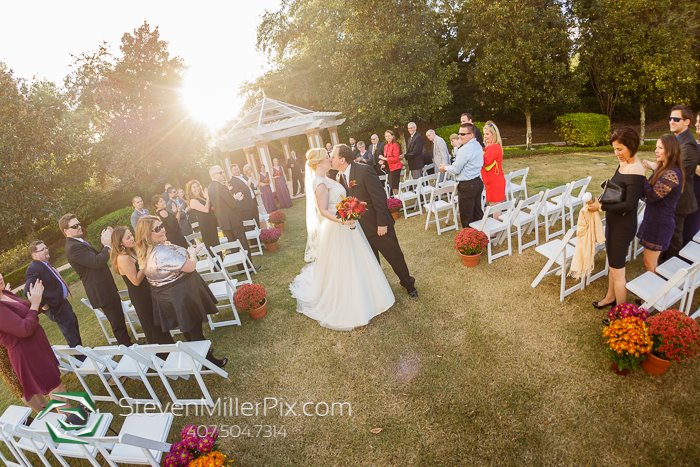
x: 368, y: 188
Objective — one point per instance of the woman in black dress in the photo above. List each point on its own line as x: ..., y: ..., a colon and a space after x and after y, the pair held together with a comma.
x: 202, y: 212
x: 124, y: 262
x: 621, y: 218
x: 170, y: 221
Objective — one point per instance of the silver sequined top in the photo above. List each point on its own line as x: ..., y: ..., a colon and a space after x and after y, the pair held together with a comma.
x: 164, y: 264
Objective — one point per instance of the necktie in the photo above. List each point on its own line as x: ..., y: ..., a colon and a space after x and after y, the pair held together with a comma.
x: 66, y: 290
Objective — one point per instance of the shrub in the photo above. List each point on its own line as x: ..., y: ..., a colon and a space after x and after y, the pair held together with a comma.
x: 471, y: 241
x: 583, y: 129
x: 113, y: 219
x: 270, y: 235
x: 17, y: 277
x: 15, y: 257
x: 393, y: 204
x: 277, y: 217
x: 676, y: 336
x: 249, y: 297
x: 447, y: 130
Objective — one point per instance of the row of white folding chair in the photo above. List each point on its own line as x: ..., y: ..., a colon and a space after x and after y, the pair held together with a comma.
x: 574, y: 199
x: 496, y: 225
x: 140, y: 362
x: 223, y: 288
x: 437, y: 205
x: 252, y: 233
x: 559, y: 253
x: 552, y: 210
x: 516, y: 183
x: 410, y: 197
x: 141, y: 439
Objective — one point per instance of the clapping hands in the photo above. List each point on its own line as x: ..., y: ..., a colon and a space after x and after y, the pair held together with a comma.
x: 106, y: 236
x: 36, y: 291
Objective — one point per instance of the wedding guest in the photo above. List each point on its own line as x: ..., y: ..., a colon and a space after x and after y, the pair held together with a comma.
x: 621, y: 217
x: 265, y: 191
x: 414, y: 152
x: 200, y: 211
x: 184, y: 206
x: 392, y: 159
x: 176, y: 205
x: 296, y: 166
x: 166, y: 193
x: 492, y: 171
x: 329, y: 148
x: 29, y: 351
x: 441, y: 155
x: 248, y: 205
x: 281, y: 189
x: 124, y: 263
x: 691, y: 226
x: 662, y: 192
x: 353, y: 145
x: 466, y: 117
x: 170, y: 221
x: 454, y: 142
x: 376, y: 149
x: 139, y: 211
x: 363, y: 155
x: 227, y: 207
x: 180, y: 296
x: 253, y: 184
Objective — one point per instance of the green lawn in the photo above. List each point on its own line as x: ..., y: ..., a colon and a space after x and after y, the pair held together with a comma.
x: 481, y: 369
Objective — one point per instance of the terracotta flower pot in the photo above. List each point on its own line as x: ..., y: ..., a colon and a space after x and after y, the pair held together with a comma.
x: 280, y: 226
x: 271, y: 246
x: 260, y: 312
x: 470, y: 260
x: 395, y: 214
x: 618, y: 371
x: 655, y: 366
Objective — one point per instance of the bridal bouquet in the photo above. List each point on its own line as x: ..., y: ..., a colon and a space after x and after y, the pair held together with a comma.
x: 350, y: 208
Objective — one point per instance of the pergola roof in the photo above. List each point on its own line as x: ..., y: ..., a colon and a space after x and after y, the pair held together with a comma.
x: 270, y: 120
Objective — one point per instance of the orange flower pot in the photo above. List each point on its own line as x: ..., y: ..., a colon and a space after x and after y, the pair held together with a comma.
x: 260, y: 312
x: 395, y: 214
x: 271, y: 246
x: 656, y: 366
x: 470, y: 260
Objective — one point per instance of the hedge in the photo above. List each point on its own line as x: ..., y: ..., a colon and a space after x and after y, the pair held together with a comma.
x: 447, y: 130
x: 113, y: 219
x: 583, y: 129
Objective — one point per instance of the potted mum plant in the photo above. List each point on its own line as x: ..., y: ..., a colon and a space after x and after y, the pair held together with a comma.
x: 269, y: 237
x: 675, y: 336
x: 470, y: 243
x: 196, y: 448
x: 277, y: 219
x: 625, y: 310
x: 628, y: 343
x: 394, y: 206
x: 251, y: 298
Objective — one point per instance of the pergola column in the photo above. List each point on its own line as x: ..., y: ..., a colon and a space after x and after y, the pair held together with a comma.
x: 314, y: 138
x: 250, y: 157
x: 333, y: 130
x: 264, y: 153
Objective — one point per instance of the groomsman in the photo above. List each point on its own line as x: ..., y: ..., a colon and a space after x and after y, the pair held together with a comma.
x: 54, y: 302
x: 414, y: 152
x: 466, y: 117
x: 297, y: 168
x: 248, y: 205
x: 227, y: 207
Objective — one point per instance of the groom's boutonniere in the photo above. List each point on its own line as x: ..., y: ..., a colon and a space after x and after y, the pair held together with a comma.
x: 352, y: 184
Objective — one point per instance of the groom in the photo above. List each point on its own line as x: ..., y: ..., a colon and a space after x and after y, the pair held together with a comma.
x: 361, y: 181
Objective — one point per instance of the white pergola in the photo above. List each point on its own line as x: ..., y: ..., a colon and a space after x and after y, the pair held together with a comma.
x: 270, y: 120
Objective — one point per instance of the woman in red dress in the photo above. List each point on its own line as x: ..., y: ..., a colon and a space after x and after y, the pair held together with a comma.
x: 392, y: 158
x: 30, y: 353
x: 492, y: 171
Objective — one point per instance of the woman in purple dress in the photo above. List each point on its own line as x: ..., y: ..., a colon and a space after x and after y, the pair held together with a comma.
x: 662, y: 192
x: 281, y: 189
x: 28, y: 348
x: 265, y: 190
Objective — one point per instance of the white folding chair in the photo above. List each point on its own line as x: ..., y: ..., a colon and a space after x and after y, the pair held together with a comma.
x: 437, y: 205
x: 600, y: 247
x: 426, y: 185
x: 636, y: 248
x: 554, y: 211
x: 575, y: 198
x: 195, y: 227
x: 184, y: 359
x: 101, y: 320
x: 13, y: 416
x: 428, y: 167
x: 79, y: 450
x: 132, y: 319
x: 691, y: 252
x: 495, y: 224
x: 253, y: 236
x: 657, y: 292
x: 692, y: 281
x: 83, y: 369
x: 524, y: 219
x: 385, y: 182
x: 223, y: 289
x: 32, y: 438
x: 517, y: 183
x: 559, y: 253
x: 231, y: 260
x: 409, y: 192
x: 193, y: 237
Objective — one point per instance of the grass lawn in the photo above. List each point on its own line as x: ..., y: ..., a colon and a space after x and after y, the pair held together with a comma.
x: 481, y: 369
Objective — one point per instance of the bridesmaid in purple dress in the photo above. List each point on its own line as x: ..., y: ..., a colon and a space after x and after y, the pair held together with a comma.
x: 282, y: 190
x: 28, y: 348
x: 265, y: 190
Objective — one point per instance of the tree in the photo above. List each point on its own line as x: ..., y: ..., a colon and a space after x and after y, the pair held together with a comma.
x: 522, y: 54
x: 379, y: 62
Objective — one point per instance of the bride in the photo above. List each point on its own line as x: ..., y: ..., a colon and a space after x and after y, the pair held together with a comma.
x: 343, y: 286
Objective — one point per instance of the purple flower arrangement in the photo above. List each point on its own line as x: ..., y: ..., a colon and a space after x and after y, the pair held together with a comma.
x: 195, y: 441
x: 627, y: 310
x: 270, y: 235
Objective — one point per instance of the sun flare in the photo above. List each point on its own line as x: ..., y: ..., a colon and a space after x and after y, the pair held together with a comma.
x: 207, y: 102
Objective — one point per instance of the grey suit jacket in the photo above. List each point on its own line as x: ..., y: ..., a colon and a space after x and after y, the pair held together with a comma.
x: 441, y: 155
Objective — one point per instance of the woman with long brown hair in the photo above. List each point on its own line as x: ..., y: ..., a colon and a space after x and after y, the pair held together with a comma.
x: 202, y: 212
x: 662, y: 191
x: 171, y: 221
x: 124, y: 263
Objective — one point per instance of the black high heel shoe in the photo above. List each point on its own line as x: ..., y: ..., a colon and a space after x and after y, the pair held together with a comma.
x: 598, y: 306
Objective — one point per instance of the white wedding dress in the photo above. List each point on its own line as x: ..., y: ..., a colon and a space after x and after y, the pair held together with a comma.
x: 343, y: 286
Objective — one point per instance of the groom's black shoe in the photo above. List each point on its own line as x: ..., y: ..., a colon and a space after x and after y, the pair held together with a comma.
x: 413, y: 293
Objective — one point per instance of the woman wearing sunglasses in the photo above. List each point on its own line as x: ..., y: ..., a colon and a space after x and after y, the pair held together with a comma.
x: 180, y: 297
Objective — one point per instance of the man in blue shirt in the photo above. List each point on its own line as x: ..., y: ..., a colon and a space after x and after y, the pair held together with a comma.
x: 139, y: 211
x: 467, y: 171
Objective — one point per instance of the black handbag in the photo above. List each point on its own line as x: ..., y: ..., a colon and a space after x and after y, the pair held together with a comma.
x: 612, y: 193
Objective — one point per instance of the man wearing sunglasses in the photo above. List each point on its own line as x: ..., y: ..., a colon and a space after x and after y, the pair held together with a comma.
x: 92, y: 267
x: 467, y: 171
x: 679, y: 121
x: 228, y: 206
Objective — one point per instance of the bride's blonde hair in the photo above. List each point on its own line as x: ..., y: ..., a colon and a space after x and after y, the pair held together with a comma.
x: 315, y: 156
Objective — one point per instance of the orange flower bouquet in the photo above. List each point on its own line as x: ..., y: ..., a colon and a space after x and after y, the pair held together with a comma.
x: 628, y: 342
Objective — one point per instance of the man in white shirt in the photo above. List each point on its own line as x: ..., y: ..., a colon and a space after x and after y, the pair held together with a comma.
x: 441, y: 155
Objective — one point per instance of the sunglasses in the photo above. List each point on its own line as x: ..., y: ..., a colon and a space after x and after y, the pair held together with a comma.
x: 675, y: 119
x: 465, y: 134
x: 158, y: 228
x: 74, y: 226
